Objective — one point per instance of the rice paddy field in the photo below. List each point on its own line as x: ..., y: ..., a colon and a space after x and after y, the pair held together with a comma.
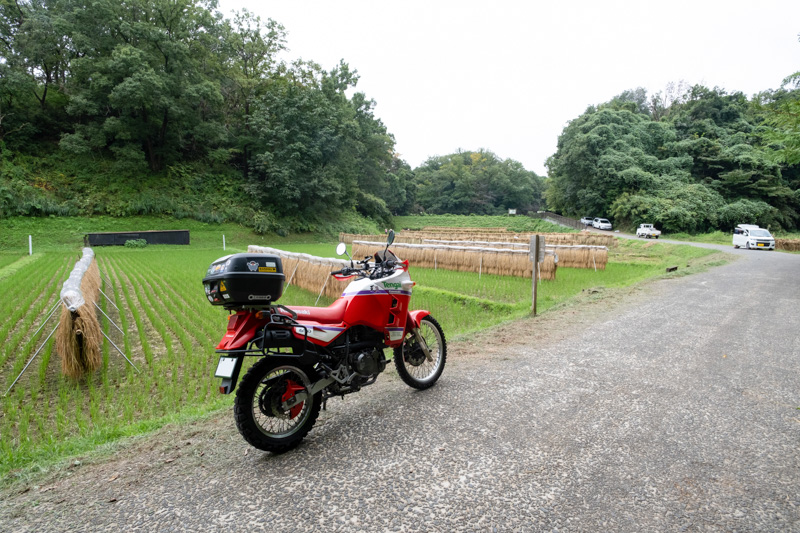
x: 168, y: 332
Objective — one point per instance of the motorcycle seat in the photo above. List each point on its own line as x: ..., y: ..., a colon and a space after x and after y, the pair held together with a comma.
x: 333, y: 314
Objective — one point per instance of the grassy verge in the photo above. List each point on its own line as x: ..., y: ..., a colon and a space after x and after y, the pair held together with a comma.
x: 714, y: 237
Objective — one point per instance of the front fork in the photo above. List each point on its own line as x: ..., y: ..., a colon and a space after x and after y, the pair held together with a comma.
x: 414, y: 320
x: 422, y: 344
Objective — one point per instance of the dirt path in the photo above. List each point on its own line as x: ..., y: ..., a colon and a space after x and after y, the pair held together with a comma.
x: 667, y: 407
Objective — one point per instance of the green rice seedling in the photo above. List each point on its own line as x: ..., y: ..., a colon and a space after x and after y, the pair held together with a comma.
x: 507, y: 289
x: 30, y: 307
x: 43, y: 365
x: 22, y: 424
x: 138, y: 320
x: 61, y: 419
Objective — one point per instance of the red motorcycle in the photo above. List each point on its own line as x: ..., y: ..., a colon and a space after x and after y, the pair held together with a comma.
x: 310, y: 354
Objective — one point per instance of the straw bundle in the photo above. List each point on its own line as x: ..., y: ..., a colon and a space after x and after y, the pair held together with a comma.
x: 418, y: 237
x: 406, y: 236
x: 79, y: 337
x: 491, y: 244
x: 307, y: 271
x: 580, y: 256
x: 446, y: 229
x: 790, y: 245
x: 569, y: 256
x: 547, y: 268
x: 503, y: 262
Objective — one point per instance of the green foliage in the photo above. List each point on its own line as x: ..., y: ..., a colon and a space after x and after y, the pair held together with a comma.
x: 475, y: 183
x: 136, y: 243
x: 165, y: 107
x: 782, y: 114
x: 700, y: 169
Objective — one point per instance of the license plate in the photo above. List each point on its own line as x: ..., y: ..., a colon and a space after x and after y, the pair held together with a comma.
x: 225, y: 367
x: 760, y: 244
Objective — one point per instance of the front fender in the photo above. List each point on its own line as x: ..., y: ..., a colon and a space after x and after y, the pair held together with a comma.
x: 414, y: 318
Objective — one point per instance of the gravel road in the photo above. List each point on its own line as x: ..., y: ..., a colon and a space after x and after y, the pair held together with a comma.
x: 672, y: 407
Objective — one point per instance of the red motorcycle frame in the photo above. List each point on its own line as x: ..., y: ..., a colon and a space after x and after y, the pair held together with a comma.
x: 309, y: 354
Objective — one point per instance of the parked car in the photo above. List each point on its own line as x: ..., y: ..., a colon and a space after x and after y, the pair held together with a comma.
x: 587, y: 221
x: 751, y: 236
x: 647, y: 231
x: 601, y: 223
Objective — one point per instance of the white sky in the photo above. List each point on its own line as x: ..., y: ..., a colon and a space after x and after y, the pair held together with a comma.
x: 507, y: 76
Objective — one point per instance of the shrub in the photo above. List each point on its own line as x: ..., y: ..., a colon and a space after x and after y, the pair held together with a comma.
x: 135, y: 243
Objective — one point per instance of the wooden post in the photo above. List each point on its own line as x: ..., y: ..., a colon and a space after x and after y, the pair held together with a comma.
x: 534, y: 251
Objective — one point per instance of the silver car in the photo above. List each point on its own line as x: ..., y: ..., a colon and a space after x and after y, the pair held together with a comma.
x: 601, y: 223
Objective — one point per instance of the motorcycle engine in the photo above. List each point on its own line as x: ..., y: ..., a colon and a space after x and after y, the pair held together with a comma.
x: 368, y: 363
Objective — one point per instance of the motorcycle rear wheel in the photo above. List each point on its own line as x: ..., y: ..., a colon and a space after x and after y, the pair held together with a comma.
x: 412, y: 365
x: 258, y: 408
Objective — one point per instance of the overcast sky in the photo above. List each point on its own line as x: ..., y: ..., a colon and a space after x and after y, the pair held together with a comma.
x: 507, y: 76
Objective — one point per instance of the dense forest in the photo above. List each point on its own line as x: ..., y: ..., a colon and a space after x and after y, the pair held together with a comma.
x: 694, y: 160
x: 168, y: 107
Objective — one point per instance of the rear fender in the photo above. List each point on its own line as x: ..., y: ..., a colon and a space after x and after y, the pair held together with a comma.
x: 242, y: 327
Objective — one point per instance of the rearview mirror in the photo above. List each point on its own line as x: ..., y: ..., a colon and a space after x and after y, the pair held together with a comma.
x: 390, y: 237
x: 341, y: 248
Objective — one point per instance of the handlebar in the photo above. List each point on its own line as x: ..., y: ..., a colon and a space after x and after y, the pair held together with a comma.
x: 374, y: 271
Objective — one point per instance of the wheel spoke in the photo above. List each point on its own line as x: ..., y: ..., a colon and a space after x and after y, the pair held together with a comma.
x: 278, y: 387
x: 415, y: 368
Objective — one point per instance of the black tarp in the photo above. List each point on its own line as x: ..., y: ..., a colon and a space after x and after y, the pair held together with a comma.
x: 177, y: 236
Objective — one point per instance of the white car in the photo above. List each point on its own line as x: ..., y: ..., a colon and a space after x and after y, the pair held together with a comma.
x: 751, y: 236
x: 647, y: 231
x: 601, y: 223
x: 587, y: 221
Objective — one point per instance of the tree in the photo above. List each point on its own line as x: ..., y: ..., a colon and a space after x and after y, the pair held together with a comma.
x: 602, y: 154
x: 476, y: 183
x: 144, y: 83
x: 36, y: 53
x: 615, y: 160
x: 318, y: 150
x: 251, y: 47
x: 783, y: 117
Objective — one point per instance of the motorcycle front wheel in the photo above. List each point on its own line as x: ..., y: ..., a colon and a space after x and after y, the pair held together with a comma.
x: 267, y: 411
x: 412, y: 365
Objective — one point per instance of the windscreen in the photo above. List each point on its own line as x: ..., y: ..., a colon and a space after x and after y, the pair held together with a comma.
x: 759, y: 233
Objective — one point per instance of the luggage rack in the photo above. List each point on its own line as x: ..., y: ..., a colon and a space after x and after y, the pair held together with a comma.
x: 281, y: 319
